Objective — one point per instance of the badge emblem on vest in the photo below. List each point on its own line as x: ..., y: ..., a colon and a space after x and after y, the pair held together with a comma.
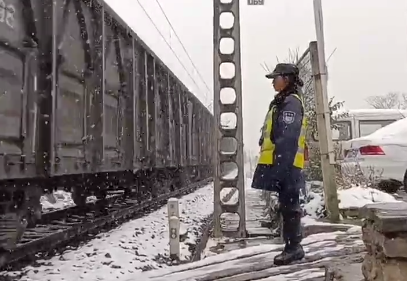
x: 288, y: 117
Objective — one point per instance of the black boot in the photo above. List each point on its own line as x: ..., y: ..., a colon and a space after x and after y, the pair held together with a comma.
x: 291, y: 253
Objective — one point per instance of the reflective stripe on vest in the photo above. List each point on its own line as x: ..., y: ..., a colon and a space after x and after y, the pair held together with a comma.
x: 268, y: 147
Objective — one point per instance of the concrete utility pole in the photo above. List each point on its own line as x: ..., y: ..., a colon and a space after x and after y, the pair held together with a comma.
x: 220, y: 157
x: 319, y: 71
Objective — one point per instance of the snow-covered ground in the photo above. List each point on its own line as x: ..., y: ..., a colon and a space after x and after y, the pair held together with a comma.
x: 259, y: 257
x: 134, y: 246
x: 237, y: 262
x: 142, y: 244
x: 354, y: 197
x: 357, y: 197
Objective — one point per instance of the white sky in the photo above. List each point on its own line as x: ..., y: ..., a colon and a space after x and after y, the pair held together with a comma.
x: 370, y: 37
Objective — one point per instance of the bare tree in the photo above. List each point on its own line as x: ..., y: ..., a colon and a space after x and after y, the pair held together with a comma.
x: 391, y: 100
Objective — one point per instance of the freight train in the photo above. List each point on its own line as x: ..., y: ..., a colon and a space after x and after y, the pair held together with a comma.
x: 87, y: 106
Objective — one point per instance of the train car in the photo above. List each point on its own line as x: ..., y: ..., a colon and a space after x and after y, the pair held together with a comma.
x: 87, y: 106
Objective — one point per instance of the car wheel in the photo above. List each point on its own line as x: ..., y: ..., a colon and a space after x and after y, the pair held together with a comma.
x: 389, y: 186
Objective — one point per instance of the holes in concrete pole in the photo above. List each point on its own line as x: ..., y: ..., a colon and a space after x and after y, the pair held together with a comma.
x: 228, y: 145
x: 227, y: 95
x: 228, y: 120
x: 226, y: 1
x: 227, y: 45
x: 228, y: 170
x: 229, y: 195
x: 229, y: 221
x: 227, y: 70
x: 226, y: 20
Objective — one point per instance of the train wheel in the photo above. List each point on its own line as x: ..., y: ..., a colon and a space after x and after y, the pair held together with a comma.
x: 12, y: 226
x: 128, y: 192
x: 13, y: 222
x: 34, y: 206
x: 101, y: 195
x: 79, y: 196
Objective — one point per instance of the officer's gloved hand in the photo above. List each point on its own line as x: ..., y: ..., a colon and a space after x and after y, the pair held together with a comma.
x: 261, y: 141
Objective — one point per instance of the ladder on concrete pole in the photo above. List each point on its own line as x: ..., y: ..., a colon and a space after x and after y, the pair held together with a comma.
x: 222, y: 134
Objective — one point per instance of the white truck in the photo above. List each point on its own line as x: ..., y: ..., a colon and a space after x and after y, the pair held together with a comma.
x: 351, y: 124
x: 355, y: 123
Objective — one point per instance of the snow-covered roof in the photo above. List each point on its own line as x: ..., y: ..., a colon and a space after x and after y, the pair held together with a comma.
x: 371, y: 112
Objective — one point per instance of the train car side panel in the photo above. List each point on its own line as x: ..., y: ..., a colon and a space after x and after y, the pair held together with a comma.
x: 112, y: 96
x: 151, y: 93
x: 16, y: 83
x: 195, y: 132
x: 159, y: 116
x: 19, y: 73
x: 200, y: 134
x: 177, y: 121
x: 72, y: 63
x: 165, y: 119
x: 143, y: 108
x: 124, y: 63
x: 93, y: 140
x: 171, y: 123
x: 204, y: 137
x: 128, y: 100
x: 190, y: 135
x: 184, y: 126
x: 139, y: 122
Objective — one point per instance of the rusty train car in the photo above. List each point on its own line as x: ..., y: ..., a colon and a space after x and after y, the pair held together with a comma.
x: 87, y: 106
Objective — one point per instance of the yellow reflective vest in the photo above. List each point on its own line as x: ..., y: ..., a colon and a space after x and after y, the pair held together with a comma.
x: 268, y: 147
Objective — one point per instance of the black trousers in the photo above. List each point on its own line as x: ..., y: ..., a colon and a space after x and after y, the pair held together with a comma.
x: 289, y: 199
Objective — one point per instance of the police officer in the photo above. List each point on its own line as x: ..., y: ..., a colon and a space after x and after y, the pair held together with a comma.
x: 281, y: 160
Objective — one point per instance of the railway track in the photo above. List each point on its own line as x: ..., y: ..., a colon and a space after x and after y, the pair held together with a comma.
x: 59, y: 227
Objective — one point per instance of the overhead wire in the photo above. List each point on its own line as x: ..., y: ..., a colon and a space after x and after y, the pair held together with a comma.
x: 183, y: 47
x: 169, y: 45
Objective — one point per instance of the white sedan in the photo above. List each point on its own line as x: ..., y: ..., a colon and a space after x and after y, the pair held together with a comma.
x: 380, y: 157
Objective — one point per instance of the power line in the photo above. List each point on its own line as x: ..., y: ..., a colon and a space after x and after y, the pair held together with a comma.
x: 166, y: 42
x: 183, y: 47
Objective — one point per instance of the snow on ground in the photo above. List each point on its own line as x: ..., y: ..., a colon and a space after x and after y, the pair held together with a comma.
x: 316, y: 244
x: 134, y: 246
x: 360, y: 196
x: 354, y: 197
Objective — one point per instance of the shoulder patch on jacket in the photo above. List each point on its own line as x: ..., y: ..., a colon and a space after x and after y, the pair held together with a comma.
x: 288, y: 117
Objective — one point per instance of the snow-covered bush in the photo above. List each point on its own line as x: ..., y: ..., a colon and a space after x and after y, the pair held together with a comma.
x: 312, y: 202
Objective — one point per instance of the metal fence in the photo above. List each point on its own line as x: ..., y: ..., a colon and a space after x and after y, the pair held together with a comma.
x: 304, y: 65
